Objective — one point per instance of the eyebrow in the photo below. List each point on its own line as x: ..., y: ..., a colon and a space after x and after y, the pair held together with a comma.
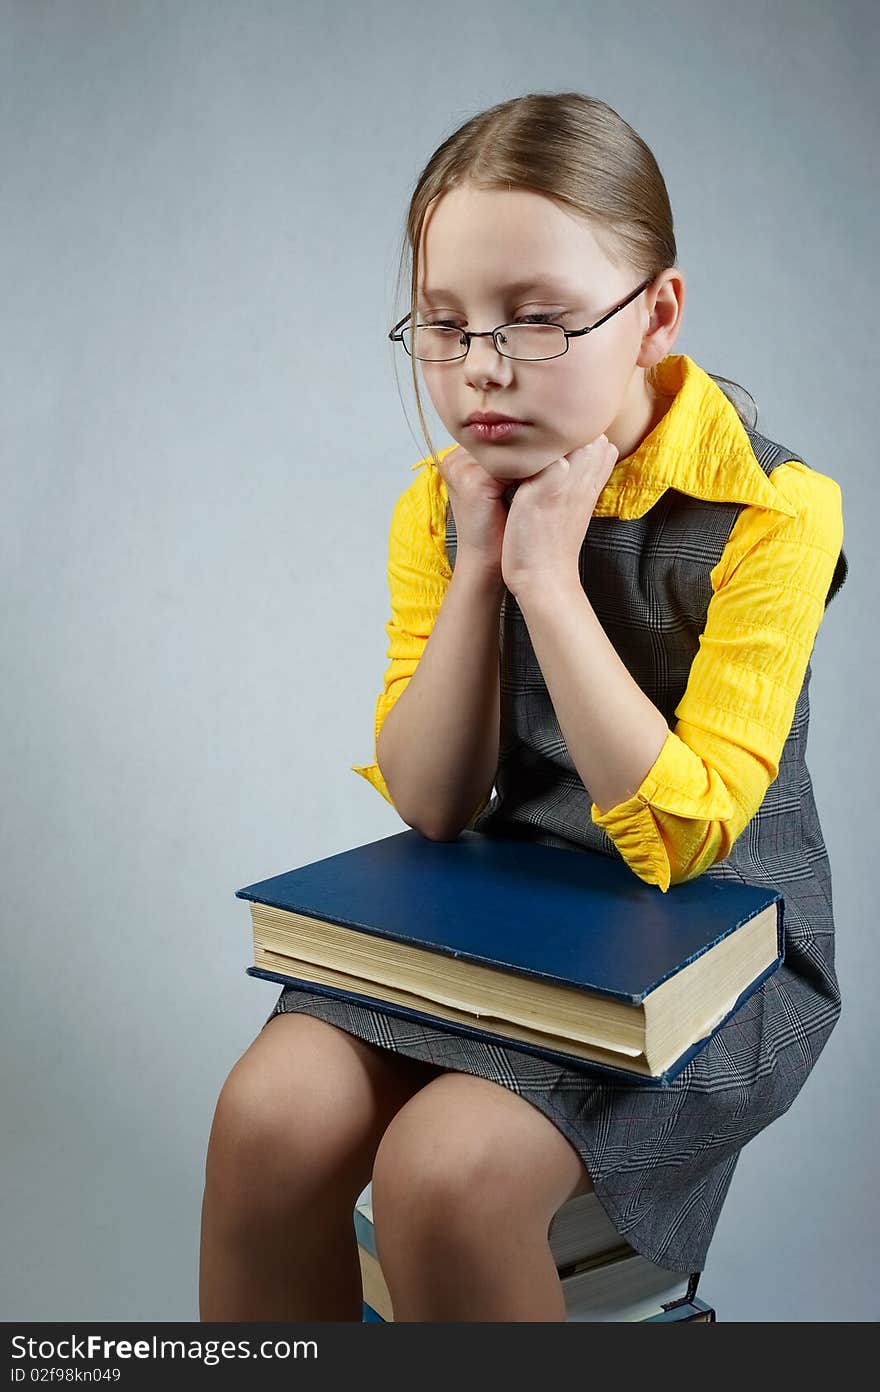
x: 548, y: 282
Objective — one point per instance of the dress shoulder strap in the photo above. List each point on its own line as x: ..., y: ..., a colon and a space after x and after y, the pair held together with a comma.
x: 770, y: 454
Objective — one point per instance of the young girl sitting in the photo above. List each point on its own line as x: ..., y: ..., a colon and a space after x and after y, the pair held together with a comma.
x: 605, y: 611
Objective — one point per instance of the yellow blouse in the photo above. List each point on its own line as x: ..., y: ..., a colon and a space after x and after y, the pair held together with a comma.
x: 769, y: 590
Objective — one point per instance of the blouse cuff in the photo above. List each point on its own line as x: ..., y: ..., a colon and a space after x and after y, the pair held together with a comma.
x: 372, y: 774
x: 680, y: 782
x: 636, y: 835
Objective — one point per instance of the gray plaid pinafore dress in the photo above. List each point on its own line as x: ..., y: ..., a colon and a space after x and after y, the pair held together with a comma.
x: 661, y: 1159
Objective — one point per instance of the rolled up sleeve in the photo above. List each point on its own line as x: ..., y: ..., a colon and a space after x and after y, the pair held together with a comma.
x: 770, y: 589
x: 418, y: 578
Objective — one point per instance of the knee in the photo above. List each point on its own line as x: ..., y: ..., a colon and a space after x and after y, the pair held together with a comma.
x: 282, y: 1127
x: 433, y: 1179
x: 463, y: 1156
x: 256, y: 1148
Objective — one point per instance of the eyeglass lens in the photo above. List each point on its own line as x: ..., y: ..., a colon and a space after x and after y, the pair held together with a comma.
x: 436, y: 343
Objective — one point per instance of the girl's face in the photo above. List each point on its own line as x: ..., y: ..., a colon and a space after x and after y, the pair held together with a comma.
x: 475, y: 244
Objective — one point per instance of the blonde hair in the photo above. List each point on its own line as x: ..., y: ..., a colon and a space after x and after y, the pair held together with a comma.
x: 574, y: 149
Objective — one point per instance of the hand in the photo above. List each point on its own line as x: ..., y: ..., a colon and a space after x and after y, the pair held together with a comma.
x: 478, y: 505
x: 550, y: 514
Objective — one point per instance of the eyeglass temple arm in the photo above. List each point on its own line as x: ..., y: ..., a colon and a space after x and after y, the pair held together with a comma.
x: 569, y: 333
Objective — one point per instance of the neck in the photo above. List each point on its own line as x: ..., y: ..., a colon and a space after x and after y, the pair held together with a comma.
x: 641, y: 412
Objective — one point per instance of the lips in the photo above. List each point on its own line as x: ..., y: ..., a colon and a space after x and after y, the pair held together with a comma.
x: 492, y: 418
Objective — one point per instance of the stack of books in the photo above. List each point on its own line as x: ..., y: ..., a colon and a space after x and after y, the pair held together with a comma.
x: 603, y: 1280
x: 563, y: 954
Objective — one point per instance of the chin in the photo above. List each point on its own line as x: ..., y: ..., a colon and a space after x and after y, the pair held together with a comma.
x: 529, y: 470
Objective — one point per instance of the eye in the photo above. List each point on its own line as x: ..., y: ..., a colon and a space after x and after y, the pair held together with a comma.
x: 521, y: 319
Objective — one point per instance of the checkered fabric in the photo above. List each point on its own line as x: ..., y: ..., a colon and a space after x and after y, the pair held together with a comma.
x: 661, y: 1159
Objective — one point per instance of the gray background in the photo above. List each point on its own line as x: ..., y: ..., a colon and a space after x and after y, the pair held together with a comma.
x: 198, y: 477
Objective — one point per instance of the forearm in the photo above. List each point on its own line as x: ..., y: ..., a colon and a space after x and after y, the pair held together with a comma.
x: 438, y: 746
x: 612, y: 731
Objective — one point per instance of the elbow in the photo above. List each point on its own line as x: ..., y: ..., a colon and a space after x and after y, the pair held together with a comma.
x: 432, y: 824
x: 463, y: 821
x: 429, y: 827
x: 666, y: 860
x: 443, y: 834
x: 681, y: 876
x: 713, y: 852
x: 435, y: 830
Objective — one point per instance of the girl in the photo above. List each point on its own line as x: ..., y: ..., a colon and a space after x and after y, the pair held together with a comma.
x: 655, y: 594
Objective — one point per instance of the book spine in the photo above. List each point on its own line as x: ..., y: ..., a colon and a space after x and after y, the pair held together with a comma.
x: 693, y: 1311
x: 471, y: 1032
x: 696, y: 1312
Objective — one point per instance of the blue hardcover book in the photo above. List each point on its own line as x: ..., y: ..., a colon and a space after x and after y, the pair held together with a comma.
x: 563, y: 954
x: 694, y: 1309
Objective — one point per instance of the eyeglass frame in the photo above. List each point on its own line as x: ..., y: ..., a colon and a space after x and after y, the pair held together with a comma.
x: 396, y: 337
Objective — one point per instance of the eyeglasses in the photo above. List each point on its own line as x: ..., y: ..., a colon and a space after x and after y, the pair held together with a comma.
x: 529, y: 342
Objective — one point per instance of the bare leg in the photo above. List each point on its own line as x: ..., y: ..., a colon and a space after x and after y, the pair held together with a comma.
x: 292, y: 1144
x: 466, y: 1182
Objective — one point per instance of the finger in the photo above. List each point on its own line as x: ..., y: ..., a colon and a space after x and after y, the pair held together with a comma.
x: 603, y: 446
x: 589, y: 448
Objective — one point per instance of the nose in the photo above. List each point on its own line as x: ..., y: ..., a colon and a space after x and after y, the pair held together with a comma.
x: 483, y: 357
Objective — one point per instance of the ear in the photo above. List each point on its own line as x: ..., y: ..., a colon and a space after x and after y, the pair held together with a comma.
x: 664, y: 318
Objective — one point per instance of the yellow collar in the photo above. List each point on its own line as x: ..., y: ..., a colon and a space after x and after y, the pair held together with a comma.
x: 699, y: 447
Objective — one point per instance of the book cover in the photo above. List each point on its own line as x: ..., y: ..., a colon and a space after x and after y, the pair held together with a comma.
x: 575, y: 919
x: 570, y: 918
